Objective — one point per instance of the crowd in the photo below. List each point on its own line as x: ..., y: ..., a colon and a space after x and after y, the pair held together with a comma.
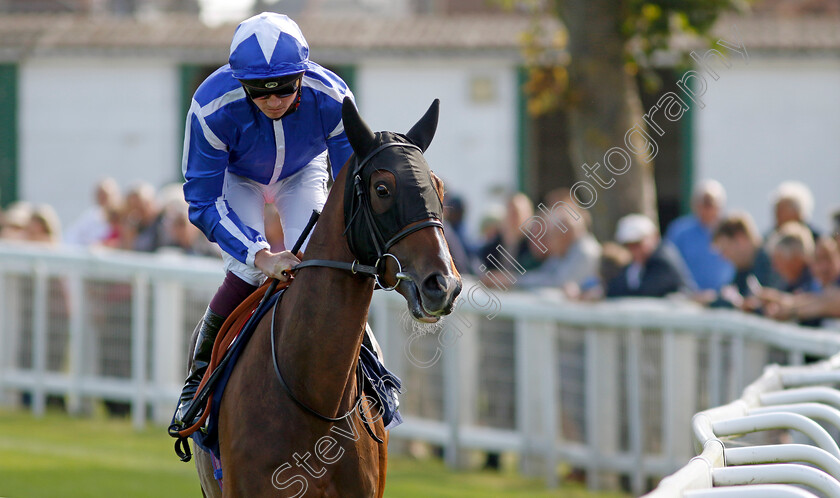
x: 139, y: 219
x: 714, y: 257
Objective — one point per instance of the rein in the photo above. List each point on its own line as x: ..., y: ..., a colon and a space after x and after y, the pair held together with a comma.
x: 359, y: 387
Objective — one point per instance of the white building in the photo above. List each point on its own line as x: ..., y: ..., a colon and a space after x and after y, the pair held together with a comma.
x: 84, y: 98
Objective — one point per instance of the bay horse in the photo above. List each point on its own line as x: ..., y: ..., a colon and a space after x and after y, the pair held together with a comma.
x: 384, y: 215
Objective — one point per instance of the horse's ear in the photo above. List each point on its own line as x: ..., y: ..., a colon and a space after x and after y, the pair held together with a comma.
x: 358, y: 133
x: 421, y: 134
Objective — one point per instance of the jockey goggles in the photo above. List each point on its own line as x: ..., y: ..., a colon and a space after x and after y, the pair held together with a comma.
x: 257, y: 89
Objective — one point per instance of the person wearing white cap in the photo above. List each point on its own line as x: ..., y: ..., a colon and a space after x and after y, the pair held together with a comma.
x: 656, y: 269
x: 793, y: 201
x: 692, y: 236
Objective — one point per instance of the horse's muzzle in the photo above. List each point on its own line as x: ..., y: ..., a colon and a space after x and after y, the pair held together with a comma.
x: 433, y: 298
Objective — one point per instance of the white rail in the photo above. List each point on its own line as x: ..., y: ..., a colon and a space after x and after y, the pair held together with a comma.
x: 777, y: 400
x: 608, y: 387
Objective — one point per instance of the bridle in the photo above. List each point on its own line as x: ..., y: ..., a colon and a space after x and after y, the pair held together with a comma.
x: 361, y: 212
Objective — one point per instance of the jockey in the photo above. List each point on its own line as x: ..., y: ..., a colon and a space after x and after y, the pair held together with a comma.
x: 259, y: 130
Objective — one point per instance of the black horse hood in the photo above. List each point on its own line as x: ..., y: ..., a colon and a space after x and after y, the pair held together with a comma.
x: 415, y: 198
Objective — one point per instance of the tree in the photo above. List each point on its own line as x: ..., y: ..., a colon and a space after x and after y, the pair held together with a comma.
x: 610, y: 45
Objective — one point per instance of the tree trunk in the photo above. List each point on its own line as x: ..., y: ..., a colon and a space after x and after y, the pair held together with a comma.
x: 604, y: 107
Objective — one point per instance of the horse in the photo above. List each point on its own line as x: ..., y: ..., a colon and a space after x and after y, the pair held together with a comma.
x: 281, y: 430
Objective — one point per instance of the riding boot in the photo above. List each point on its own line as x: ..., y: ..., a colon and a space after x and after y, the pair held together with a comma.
x: 206, y: 332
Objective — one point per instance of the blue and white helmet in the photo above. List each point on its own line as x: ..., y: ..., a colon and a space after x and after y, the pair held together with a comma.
x: 268, y: 45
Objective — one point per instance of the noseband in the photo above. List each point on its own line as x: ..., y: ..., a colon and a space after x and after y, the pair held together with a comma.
x: 363, y: 213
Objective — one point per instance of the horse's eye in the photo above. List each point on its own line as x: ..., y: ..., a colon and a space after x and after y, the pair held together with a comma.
x: 382, y: 191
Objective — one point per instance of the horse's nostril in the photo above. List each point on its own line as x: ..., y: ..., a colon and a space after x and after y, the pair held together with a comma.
x: 435, y: 283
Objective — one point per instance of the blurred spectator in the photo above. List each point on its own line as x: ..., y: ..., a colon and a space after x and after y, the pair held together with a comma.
x: 835, y: 228
x: 183, y: 236
x: 15, y: 221
x: 573, y: 254
x: 791, y: 252
x: 510, y: 237
x: 656, y: 269
x: 142, y: 222
x: 490, y: 226
x: 614, y: 258
x: 44, y: 226
x: 804, y: 307
x: 459, y: 254
x: 453, y: 213
x: 92, y: 227
x: 692, y: 236
x: 793, y: 201
x: 826, y: 264
x: 114, y: 217
x: 738, y: 240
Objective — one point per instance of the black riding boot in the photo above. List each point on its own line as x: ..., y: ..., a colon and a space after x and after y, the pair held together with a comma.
x: 207, y: 330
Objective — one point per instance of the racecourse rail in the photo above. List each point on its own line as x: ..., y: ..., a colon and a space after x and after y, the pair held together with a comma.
x: 787, y: 398
x: 608, y: 387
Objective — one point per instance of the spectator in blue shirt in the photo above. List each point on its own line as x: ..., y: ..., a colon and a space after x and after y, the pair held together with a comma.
x: 692, y: 236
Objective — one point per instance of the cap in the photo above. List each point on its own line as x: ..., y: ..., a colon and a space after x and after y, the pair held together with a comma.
x: 633, y: 228
x: 268, y: 45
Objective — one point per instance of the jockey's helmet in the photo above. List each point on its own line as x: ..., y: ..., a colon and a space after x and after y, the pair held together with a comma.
x: 268, y: 53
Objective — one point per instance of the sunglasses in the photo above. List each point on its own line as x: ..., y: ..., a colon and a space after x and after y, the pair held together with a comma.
x: 281, y: 91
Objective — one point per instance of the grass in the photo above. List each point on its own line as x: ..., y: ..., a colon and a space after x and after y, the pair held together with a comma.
x: 60, y: 456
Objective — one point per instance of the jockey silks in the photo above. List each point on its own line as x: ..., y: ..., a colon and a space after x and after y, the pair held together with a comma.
x: 227, y: 132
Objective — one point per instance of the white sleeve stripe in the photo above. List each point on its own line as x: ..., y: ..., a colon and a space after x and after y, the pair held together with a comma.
x: 337, y: 131
x: 253, y: 250
x: 219, y: 102
x: 318, y: 85
x: 231, y: 227
x: 186, y: 154
x: 211, y: 137
x: 280, y: 150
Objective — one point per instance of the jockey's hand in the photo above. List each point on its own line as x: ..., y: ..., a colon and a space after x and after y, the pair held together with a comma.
x: 276, y: 264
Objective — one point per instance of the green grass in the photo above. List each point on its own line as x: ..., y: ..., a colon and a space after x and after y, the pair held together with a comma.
x: 60, y: 456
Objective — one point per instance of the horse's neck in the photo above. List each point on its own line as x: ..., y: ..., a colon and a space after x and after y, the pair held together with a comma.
x: 323, y: 318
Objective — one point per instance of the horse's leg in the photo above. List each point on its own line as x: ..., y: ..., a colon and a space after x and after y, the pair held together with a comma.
x: 204, y: 466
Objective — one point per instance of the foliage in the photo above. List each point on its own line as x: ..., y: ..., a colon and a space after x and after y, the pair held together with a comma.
x: 647, y: 28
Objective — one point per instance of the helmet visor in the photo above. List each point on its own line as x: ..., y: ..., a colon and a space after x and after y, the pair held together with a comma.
x: 281, y: 87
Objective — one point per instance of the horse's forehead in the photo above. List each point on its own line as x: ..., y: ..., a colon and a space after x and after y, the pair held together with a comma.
x: 398, y: 160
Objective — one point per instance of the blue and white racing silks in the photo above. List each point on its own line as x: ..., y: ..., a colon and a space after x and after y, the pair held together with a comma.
x: 225, y: 130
